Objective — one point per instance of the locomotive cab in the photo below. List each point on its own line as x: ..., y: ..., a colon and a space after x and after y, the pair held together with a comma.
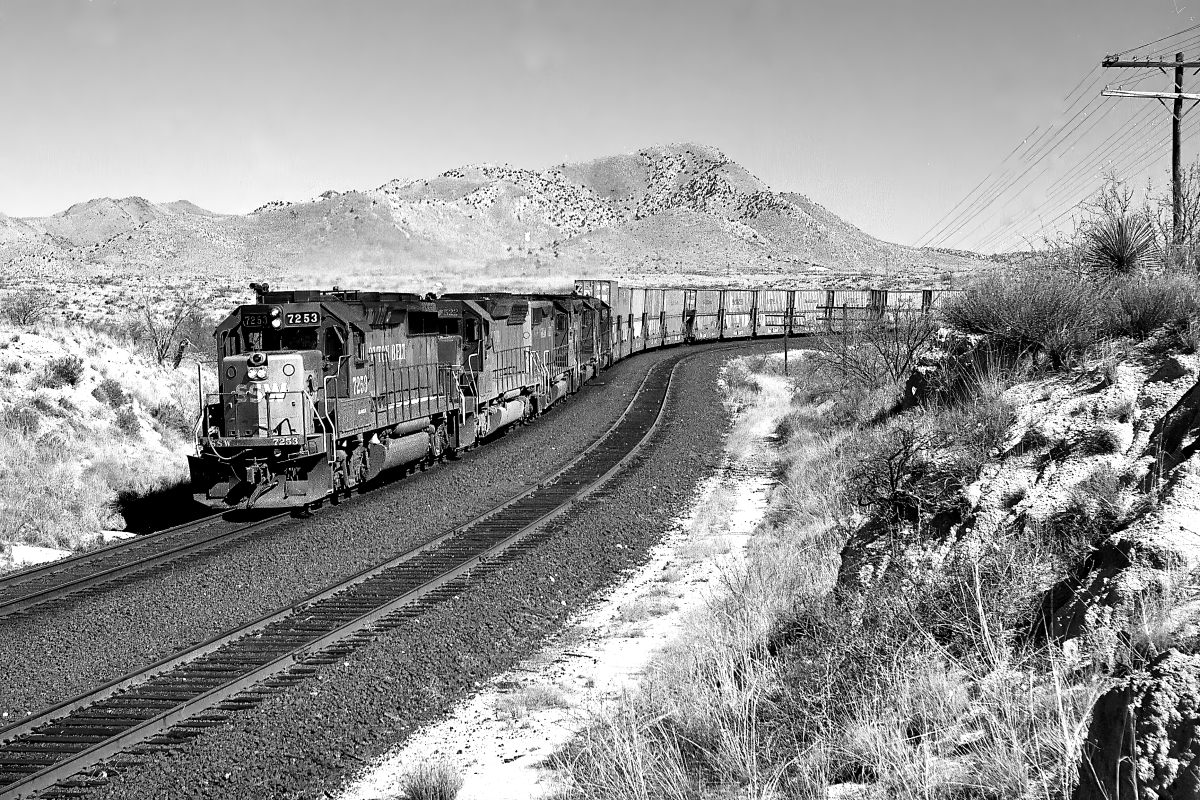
x: 321, y: 391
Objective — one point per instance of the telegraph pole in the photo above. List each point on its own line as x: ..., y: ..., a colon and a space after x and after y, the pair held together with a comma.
x: 1176, y: 167
x: 1177, y: 112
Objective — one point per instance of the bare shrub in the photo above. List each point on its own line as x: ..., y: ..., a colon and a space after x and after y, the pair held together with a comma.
x: 62, y: 371
x: 165, y: 326
x: 127, y: 421
x: 431, y: 780
x: 881, y: 352
x: 24, y: 308
x: 109, y: 392
x: 1053, y: 316
x: 916, y: 468
x: 1145, y: 304
x: 171, y: 416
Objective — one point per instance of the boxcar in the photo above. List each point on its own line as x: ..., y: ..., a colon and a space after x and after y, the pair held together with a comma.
x: 674, y: 329
x: 737, y: 313
x: 654, y: 317
x: 772, y: 312
x: 637, y: 320
x: 623, y: 343
x: 807, y: 313
x: 705, y: 320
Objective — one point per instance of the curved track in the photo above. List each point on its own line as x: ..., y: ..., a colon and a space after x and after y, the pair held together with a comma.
x: 178, y: 697
x: 51, y: 583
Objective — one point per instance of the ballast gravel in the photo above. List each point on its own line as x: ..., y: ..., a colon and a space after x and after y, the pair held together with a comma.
x: 50, y: 655
x: 306, y: 741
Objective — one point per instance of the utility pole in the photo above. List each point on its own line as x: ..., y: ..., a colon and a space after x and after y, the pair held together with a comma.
x: 1176, y: 168
x: 1177, y: 112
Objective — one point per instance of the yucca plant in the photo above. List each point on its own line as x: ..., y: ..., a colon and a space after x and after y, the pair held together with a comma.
x: 1121, y: 243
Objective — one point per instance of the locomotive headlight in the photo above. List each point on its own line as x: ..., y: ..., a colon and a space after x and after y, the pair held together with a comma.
x: 276, y: 317
x: 276, y: 322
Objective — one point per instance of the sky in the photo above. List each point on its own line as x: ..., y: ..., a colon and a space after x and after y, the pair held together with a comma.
x: 887, y: 112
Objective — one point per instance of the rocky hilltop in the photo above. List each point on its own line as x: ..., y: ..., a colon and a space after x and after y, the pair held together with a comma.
x: 683, y: 210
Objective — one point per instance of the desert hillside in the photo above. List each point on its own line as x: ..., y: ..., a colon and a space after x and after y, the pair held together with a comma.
x: 684, y: 210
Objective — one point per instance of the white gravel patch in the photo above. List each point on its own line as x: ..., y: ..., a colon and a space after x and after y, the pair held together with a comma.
x: 501, y: 738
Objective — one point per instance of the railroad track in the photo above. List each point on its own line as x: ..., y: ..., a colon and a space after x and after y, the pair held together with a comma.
x: 180, y: 696
x: 53, y: 582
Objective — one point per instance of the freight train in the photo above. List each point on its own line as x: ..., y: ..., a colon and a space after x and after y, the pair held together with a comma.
x: 322, y: 391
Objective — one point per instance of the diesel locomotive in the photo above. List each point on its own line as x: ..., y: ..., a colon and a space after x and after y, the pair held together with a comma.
x: 321, y: 391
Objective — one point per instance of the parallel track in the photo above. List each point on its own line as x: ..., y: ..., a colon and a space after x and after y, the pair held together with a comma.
x: 182, y: 695
x: 51, y: 583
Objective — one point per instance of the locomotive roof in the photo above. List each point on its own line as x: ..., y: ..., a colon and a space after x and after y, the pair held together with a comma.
x: 351, y: 296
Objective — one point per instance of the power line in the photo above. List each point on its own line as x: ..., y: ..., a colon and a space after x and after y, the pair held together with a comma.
x: 1065, y: 133
x: 1138, y: 160
x: 1162, y: 39
x: 929, y: 234
x: 1000, y: 185
x: 1068, y: 180
x: 1082, y: 186
x: 1074, y: 208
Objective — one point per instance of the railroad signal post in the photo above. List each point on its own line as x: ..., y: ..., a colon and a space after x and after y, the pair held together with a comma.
x: 1177, y: 112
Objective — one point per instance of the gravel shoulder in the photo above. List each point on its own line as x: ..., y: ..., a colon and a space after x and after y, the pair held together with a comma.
x: 304, y: 742
x: 53, y: 655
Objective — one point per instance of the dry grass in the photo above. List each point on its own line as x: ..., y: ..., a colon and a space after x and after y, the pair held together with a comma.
x: 916, y: 685
x: 517, y: 704
x: 645, y: 608
x: 78, y: 431
x: 432, y: 780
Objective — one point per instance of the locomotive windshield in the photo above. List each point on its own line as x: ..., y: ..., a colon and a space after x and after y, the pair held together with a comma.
x: 243, y: 339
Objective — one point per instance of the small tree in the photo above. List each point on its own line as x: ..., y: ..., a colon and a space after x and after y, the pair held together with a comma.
x: 883, y: 351
x: 24, y: 308
x: 161, y: 324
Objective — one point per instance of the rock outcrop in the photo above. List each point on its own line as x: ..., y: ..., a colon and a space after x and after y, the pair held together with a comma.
x: 1175, y: 439
x: 1144, y: 738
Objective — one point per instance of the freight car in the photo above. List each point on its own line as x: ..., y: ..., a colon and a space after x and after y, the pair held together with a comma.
x: 319, y: 392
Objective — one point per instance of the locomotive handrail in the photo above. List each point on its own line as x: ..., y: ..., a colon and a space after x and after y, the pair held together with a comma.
x: 331, y: 421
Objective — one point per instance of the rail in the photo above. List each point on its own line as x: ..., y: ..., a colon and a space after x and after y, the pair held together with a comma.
x: 49, y: 583
x: 55, y: 744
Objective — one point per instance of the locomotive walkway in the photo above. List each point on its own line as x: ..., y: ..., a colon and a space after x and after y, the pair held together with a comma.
x: 178, y: 697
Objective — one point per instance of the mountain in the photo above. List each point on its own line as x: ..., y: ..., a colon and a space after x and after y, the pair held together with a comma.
x: 683, y: 210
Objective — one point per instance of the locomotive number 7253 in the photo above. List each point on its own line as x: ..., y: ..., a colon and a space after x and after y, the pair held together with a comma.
x: 303, y: 318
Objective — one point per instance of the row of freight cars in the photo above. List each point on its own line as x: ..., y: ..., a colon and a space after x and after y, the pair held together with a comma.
x: 643, y: 318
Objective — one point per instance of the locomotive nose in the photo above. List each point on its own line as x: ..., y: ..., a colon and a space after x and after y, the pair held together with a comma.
x: 264, y: 397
